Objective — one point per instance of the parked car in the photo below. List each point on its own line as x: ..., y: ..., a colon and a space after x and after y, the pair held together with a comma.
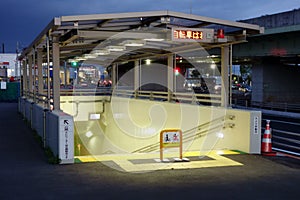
x: 104, y: 83
x: 83, y: 84
x: 245, y: 88
x: 190, y: 83
x: 203, y: 85
x: 241, y: 89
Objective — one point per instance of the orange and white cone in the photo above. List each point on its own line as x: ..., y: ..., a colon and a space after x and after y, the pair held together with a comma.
x: 266, y: 145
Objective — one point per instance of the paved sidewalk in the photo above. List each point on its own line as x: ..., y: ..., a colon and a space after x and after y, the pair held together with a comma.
x: 25, y: 174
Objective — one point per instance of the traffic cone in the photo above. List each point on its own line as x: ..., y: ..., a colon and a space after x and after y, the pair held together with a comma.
x: 266, y: 145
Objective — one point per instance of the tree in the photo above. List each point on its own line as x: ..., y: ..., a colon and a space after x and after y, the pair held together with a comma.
x: 246, y: 71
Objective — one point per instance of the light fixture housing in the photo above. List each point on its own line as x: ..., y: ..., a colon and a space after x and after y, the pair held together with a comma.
x: 89, y: 134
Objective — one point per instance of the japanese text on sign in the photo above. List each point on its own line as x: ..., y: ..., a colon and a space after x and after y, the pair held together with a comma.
x: 188, y: 34
x: 66, y: 139
x: 256, y: 125
x: 66, y: 128
x: 192, y: 35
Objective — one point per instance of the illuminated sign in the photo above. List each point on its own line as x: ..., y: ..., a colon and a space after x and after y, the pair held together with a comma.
x: 192, y: 35
x: 4, y: 63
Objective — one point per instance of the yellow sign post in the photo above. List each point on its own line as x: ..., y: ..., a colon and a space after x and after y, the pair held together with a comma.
x: 169, y: 139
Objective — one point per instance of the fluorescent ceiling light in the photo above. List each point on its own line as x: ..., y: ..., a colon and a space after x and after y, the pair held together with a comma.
x: 148, y: 61
x: 101, y: 52
x: 154, y: 39
x: 116, y: 48
x: 89, y: 56
x: 80, y: 58
x: 134, y: 43
x: 71, y: 60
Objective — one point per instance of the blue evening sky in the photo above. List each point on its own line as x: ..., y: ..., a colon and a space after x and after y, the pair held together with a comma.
x: 22, y: 20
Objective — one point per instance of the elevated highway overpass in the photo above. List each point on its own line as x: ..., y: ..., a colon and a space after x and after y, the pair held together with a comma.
x: 274, y: 57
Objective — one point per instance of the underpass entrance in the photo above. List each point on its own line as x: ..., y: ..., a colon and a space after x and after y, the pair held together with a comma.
x: 126, y: 44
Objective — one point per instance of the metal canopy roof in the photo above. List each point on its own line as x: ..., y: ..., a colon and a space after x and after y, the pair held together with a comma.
x: 84, y: 34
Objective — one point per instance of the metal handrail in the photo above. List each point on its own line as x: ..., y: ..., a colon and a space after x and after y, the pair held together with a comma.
x: 188, y: 135
x: 183, y: 97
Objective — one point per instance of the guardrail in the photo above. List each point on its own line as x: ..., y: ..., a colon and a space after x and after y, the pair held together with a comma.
x: 278, y: 106
x: 182, y: 97
x: 287, y: 141
x: 38, y: 98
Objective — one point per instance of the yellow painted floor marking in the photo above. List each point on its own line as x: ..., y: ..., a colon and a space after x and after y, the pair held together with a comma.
x: 86, y: 158
x: 124, y: 160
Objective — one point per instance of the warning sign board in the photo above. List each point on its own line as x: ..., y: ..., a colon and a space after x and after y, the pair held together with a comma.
x: 170, y: 138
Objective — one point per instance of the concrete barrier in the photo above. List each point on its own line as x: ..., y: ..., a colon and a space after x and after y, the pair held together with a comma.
x: 56, y: 129
x: 38, y: 119
x: 60, y: 135
x: 28, y: 110
x: 21, y: 105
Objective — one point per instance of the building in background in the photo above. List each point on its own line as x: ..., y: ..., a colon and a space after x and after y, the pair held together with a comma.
x: 9, y: 66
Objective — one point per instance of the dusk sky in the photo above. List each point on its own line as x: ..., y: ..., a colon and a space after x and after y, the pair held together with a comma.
x: 21, y: 21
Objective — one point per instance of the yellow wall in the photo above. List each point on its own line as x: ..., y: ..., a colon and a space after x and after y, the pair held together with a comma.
x: 130, y: 124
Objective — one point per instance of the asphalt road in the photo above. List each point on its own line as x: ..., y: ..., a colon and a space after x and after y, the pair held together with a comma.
x: 25, y: 174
